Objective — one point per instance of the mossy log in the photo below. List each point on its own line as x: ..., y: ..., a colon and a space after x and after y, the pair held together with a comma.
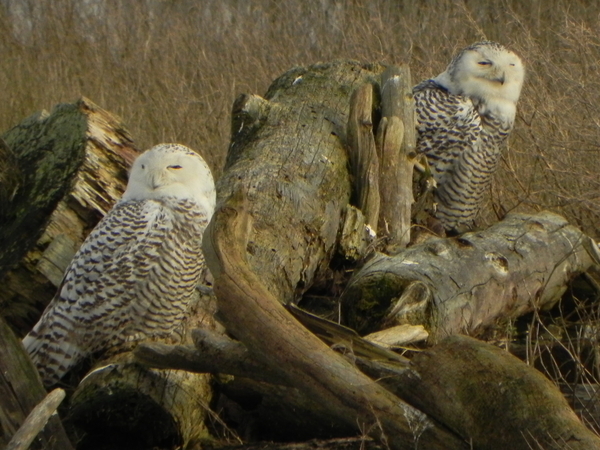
x: 487, y: 396
x: 288, y: 156
x: 468, y: 283
x: 72, y: 166
x: 480, y: 392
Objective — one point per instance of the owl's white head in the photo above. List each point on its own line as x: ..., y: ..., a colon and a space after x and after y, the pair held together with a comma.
x: 489, y: 74
x: 171, y: 170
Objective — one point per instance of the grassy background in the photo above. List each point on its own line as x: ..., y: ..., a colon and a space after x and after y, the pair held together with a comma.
x: 171, y: 70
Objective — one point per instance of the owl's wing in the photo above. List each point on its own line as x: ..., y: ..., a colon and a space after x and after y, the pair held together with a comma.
x: 447, y: 125
x: 93, y: 302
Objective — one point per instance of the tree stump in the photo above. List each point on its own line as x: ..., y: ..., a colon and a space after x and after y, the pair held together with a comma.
x: 73, y: 166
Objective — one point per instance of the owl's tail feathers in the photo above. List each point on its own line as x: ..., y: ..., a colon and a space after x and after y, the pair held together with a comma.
x: 52, y: 356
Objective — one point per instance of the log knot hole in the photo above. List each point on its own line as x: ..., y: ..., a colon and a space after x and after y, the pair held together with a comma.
x: 498, y: 262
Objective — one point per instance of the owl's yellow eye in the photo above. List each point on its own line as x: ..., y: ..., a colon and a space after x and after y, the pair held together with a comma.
x: 174, y: 167
x: 484, y: 63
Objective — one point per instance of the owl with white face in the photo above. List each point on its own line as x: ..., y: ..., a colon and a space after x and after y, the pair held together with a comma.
x: 464, y: 117
x: 136, y: 272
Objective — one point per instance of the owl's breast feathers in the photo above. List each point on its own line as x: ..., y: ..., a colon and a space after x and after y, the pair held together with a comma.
x: 133, y: 277
x: 446, y: 125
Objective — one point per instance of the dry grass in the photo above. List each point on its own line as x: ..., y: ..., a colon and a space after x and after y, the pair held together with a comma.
x: 172, y: 68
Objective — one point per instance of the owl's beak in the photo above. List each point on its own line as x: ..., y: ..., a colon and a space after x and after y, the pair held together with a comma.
x: 501, y: 79
x: 155, y: 180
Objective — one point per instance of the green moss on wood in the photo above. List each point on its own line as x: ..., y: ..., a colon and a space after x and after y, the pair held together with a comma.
x: 49, y: 149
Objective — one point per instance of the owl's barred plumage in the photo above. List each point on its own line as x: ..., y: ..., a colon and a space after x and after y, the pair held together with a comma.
x: 464, y: 117
x: 135, y: 274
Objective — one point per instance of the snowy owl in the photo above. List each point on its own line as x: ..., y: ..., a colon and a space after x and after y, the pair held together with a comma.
x: 464, y: 117
x: 135, y: 274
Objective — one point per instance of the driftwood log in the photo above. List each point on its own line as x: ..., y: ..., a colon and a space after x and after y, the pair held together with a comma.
x: 468, y: 283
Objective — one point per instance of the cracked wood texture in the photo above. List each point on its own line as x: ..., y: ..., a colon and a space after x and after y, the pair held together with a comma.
x: 72, y: 166
x: 464, y: 284
x: 288, y: 157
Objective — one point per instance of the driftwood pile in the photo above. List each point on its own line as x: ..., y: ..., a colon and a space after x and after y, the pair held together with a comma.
x: 315, y: 169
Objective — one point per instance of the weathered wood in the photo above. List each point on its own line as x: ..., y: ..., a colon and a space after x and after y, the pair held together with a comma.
x: 21, y: 390
x: 120, y: 400
x: 396, y: 141
x: 213, y: 353
x: 398, y: 336
x: 123, y: 401
x: 363, y: 154
x: 74, y: 165
x: 288, y: 156
x: 256, y: 317
x: 36, y: 421
x: 356, y: 236
x: 489, y: 397
x: 465, y: 284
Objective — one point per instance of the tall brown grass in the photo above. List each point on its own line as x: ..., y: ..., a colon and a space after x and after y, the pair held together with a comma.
x: 172, y: 68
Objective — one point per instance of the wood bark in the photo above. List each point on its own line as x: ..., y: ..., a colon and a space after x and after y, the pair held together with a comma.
x: 363, y: 154
x: 73, y: 166
x: 465, y: 284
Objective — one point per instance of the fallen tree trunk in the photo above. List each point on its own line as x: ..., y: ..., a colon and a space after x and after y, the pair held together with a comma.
x: 482, y: 393
x: 488, y: 396
x: 465, y: 284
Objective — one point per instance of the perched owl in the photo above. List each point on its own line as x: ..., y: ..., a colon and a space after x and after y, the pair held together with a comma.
x: 136, y: 272
x: 464, y: 117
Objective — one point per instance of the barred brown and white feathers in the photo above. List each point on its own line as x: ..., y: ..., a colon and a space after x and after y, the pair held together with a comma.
x: 135, y: 274
x: 464, y: 116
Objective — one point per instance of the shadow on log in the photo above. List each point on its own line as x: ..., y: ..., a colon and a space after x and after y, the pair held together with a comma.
x: 21, y: 390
